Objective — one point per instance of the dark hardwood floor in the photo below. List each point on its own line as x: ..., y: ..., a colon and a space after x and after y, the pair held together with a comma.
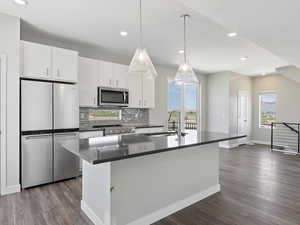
x: 258, y: 188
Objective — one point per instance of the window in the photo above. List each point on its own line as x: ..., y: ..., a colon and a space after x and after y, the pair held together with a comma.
x: 183, y: 100
x: 267, y: 109
x: 98, y: 114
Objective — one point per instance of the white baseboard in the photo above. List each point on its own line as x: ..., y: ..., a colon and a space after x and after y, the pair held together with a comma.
x: 10, y: 189
x: 261, y: 142
x: 90, y: 214
x: 228, y: 145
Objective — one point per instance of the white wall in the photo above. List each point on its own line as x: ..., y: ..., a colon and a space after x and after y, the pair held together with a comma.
x: 288, y: 99
x: 9, y: 45
x: 218, y: 102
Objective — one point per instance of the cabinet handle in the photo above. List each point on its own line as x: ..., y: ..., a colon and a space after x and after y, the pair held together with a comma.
x: 112, y: 188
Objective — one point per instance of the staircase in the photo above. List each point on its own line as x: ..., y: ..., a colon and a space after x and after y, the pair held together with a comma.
x: 285, y: 137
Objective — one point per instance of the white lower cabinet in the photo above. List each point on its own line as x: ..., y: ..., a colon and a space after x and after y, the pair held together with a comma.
x: 88, y: 75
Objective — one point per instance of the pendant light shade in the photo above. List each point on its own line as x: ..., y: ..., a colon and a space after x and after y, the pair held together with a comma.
x: 185, y: 73
x: 141, y: 61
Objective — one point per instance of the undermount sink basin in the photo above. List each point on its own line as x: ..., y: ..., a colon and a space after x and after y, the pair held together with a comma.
x: 163, y: 134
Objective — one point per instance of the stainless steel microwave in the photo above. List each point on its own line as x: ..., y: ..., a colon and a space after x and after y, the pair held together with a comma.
x: 113, y: 97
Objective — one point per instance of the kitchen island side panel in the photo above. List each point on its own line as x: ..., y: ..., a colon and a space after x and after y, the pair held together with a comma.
x: 148, y: 188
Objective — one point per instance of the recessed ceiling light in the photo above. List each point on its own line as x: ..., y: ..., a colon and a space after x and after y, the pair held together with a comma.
x: 21, y: 2
x: 232, y: 34
x: 181, y: 51
x: 244, y: 58
x: 123, y: 33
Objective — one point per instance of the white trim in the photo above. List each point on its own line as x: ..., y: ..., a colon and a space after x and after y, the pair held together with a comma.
x: 260, y: 142
x: 10, y: 189
x: 3, y: 74
x: 228, y: 144
x: 159, y: 214
x: 90, y: 214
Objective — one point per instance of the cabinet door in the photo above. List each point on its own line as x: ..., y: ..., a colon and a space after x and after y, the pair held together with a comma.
x: 120, y: 75
x: 88, y: 75
x: 36, y: 60
x: 135, y: 90
x: 106, y: 74
x: 65, y: 65
x: 148, y: 92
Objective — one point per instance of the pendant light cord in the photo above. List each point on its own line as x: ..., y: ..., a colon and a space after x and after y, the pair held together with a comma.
x: 184, y: 37
x: 141, y: 26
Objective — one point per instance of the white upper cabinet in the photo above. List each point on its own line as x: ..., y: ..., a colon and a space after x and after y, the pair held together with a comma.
x: 135, y: 90
x: 65, y: 64
x: 106, y: 74
x: 88, y: 75
x: 46, y: 62
x: 36, y: 61
x: 120, y: 76
x: 148, y: 92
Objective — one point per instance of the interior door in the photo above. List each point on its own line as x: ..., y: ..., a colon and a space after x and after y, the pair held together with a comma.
x: 36, y: 105
x: 66, y: 107
x: 243, y: 115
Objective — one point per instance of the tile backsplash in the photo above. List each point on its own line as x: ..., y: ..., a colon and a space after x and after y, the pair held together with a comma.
x: 127, y: 116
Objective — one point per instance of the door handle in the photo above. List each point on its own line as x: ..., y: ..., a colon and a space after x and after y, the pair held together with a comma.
x: 67, y: 135
x: 37, y: 136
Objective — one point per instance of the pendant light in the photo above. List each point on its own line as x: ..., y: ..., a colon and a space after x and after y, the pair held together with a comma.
x: 141, y: 61
x: 185, y: 73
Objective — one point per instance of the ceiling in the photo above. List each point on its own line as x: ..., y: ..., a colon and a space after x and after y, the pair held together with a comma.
x: 99, y: 22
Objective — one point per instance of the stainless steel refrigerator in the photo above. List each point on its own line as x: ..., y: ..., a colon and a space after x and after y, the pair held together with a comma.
x: 49, y: 115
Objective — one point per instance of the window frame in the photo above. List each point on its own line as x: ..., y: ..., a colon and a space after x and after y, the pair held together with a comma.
x: 266, y: 126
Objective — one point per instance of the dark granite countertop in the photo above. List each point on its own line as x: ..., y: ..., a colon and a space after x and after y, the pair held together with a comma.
x: 148, y: 126
x: 111, y: 148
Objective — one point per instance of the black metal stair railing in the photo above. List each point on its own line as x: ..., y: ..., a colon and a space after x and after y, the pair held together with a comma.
x: 285, y: 137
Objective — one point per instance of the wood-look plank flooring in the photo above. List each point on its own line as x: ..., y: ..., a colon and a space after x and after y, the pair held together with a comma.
x: 258, y: 188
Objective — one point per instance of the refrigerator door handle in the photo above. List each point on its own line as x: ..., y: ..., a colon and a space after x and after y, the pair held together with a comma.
x: 67, y: 134
x: 31, y: 137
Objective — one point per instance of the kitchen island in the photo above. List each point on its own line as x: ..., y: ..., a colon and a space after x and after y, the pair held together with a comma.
x: 139, y: 179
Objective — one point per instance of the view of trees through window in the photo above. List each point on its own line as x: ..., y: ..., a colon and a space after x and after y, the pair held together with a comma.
x: 190, y: 105
x: 267, y: 109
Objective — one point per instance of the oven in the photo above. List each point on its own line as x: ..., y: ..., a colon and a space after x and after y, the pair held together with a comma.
x: 113, y: 97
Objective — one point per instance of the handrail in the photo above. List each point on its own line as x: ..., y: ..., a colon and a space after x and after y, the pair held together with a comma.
x: 291, y: 128
x: 294, y: 129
